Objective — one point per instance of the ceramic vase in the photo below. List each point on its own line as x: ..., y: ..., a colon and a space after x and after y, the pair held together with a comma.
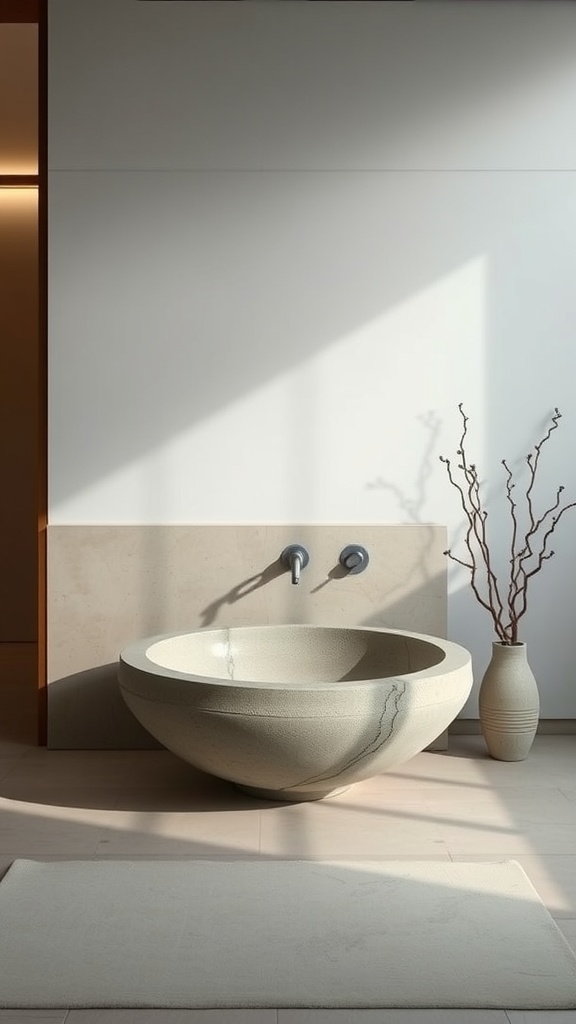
x: 509, y: 703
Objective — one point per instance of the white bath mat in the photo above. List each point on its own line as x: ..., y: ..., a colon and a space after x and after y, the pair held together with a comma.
x: 277, y: 934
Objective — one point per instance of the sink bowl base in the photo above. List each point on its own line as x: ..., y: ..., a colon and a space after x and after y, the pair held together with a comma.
x: 291, y: 795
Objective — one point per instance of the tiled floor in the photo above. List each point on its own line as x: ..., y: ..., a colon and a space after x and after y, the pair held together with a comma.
x: 455, y: 805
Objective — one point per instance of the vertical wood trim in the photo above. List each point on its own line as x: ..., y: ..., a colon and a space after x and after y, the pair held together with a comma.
x: 42, y: 487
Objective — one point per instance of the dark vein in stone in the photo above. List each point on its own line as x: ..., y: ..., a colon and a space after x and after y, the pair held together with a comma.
x: 379, y: 740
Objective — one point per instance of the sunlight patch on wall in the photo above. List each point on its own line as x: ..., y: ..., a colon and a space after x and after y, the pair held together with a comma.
x: 352, y: 433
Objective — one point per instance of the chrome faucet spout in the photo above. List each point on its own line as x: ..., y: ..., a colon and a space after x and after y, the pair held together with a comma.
x: 296, y: 568
x: 295, y: 558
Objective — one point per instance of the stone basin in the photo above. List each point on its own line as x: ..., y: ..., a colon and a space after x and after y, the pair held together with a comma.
x: 295, y: 712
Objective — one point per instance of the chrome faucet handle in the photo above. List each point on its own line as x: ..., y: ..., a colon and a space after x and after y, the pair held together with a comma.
x: 354, y: 558
x: 295, y: 557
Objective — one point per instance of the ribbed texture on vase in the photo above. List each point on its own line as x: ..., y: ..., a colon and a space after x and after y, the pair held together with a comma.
x: 510, y: 721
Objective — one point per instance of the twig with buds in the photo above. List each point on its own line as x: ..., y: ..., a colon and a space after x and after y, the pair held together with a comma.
x: 528, y: 547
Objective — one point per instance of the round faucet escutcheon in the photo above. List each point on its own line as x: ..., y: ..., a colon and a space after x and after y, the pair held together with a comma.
x: 354, y: 558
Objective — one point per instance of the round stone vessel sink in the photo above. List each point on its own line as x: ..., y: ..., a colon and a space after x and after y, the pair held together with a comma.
x: 295, y: 712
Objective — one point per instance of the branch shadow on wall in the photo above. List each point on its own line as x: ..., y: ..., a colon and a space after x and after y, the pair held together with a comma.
x: 412, y: 507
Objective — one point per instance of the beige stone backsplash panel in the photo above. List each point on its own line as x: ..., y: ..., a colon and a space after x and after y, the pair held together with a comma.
x: 110, y: 585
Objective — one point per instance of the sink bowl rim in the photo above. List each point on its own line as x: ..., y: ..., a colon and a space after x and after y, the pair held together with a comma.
x: 135, y: 657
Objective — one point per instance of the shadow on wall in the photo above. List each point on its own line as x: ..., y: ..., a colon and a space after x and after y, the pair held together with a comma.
x: 212, y: 611
x: 249, y: 272
x: 413, y: 506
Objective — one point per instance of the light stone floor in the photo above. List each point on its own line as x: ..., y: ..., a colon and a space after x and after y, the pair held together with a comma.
x: 457, y: 805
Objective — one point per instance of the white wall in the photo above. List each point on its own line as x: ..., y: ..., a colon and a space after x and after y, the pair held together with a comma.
x: 286, y: 239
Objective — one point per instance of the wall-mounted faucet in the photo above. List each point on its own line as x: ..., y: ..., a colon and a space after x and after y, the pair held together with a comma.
x: 354, y: 558
x: 295, y: 557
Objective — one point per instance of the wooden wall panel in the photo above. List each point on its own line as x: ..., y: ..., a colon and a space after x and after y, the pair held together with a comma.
x: 19, y: 324
x: 19, y: 387
x: 20, y: 10
x: 18, y: 98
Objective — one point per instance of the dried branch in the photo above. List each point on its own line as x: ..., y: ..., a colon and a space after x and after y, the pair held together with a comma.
x: 528, y: 552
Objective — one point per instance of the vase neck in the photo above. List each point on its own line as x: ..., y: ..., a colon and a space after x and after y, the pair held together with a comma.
x: 509, y: 650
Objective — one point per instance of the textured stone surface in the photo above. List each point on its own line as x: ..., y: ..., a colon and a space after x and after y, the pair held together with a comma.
x: 295, y: 712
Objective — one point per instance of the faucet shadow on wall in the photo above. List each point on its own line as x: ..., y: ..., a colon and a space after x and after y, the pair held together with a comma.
x: 247, y: 586
x: 292, y: 560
